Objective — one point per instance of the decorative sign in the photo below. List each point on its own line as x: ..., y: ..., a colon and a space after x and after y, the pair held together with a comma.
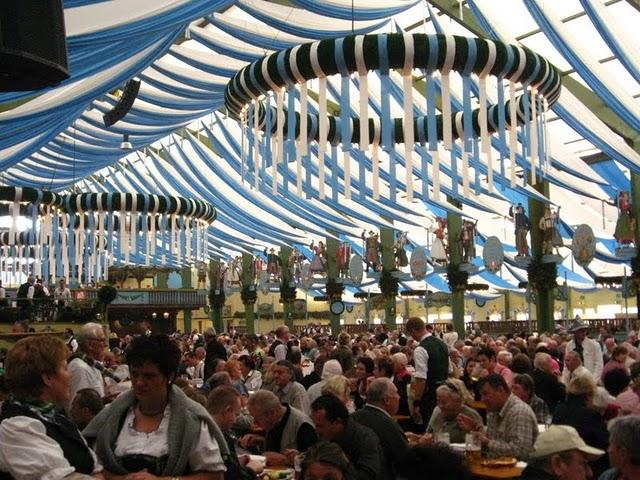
x: 299, y: 307
x: 265, y: 309
x: 137, y: 298
x: 418, y: 263
x: 438, y: 299
x: 584, y: 245
x: 493, y: 254
x: 356, y: 271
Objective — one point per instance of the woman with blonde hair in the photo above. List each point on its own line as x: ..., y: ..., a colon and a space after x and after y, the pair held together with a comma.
x: 339, y: 386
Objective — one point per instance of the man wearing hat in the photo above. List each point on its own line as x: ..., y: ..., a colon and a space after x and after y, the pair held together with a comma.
x: 589, y: 350
x: 560, y: 454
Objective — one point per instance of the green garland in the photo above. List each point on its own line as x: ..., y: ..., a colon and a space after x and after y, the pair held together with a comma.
x: 458, y: 279
x: 542, y: 275
x: 287, y: 293
x: 388, y: 284
x: 334, y: 289
x: 249, y: 295
x: 216, y: 300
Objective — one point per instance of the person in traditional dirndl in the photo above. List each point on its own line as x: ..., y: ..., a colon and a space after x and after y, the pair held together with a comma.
x: 319, y: 261
x: 399, y: 252
x: 626, y: 223
x: 438, y: 247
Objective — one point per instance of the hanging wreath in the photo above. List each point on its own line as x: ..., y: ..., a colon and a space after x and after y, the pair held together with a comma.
x: 249, y: 295
x: 287, y: 293
x: 216, y: 298
x: 334, y: 289
x: 388, y: 284
x: 542, y: 275
x: 458, y: 279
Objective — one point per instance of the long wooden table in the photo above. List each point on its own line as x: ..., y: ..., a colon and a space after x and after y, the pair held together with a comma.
x: 480, y: 471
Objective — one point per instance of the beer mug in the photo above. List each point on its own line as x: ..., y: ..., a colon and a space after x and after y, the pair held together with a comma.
x: 473, y: 447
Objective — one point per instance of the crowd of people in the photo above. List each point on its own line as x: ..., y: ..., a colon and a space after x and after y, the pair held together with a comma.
x: 380, y: 405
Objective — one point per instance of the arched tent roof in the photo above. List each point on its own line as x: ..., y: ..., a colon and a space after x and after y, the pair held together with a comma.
x: 185, y: 52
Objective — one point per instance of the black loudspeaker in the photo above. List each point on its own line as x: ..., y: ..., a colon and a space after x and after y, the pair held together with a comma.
x: 33, y: 48
x: 125, y: 103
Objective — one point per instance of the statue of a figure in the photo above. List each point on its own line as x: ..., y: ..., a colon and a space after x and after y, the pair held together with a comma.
x: 234, y: 273
x: 257, y: 268
x: 439, y: 246
x: 273, y: 264
x: 468, y: 240
x: 551, y: 238
x: 295, y: 265
x: 626, y: 223
x: 319, y: 261
x: 343, y: 255
x: 522, y: 226
x: 399, y: 253
x: 219, y: 272
x: 372, y: 247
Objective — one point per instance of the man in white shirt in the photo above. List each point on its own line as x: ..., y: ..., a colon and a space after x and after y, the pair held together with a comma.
x: 573, y: 368
x: 85, y: 367
x: 589, y: 350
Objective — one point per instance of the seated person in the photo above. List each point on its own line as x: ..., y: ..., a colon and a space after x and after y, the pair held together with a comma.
x: 560, y: 454
x: 327, y: 460
x: 623, y: 449
x: 37, y: 438
x: 450, y: 404
x: 524, y: 388
x: 86, y: 404
x: 512, y: 427
x: 359, y: 443
x: 434, y: 461
x: 286, y: 389
x: 288, y: 431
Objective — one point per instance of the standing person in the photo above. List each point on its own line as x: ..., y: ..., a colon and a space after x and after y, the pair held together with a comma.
x: 215, y: 352
x: 61, y: 297
x: 37, y: 438
x: 589, y: 350
x: 24, y: 295
x: 84, y: 365
x: 280, y: 347
x: 154, y: 429
x: 431, y: 358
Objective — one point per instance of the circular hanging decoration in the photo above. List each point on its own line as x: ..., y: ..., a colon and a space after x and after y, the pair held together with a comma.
x: 356, y: 271
x: 263, y: 97
x: 584, y: 245
x: 418, y: 263
x: 79, y: 236
x: 336, y: 307
x: 493, y: 254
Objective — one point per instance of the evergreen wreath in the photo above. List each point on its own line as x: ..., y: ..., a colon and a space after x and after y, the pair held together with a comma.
x: 216, y: 300
x: 249, y: 295
x: 388, y: 284
x: 334, y: 289
x: 107, y: 294
x: 287, y: 293
x: 542, y: 275
x: 458, y: 279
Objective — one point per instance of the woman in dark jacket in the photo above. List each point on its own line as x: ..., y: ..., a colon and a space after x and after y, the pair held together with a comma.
x: 577, y: 412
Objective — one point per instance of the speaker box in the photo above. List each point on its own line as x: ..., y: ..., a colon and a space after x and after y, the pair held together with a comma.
x: 129, y: 94
x: 33, y: 48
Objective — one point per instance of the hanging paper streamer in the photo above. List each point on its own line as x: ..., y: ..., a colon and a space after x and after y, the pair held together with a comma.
x: 513, y: 131
x: 323, y: 124
x: 279, y: 147
x: 465, y: 173
x: 526, y: 136
x: 363, y: 83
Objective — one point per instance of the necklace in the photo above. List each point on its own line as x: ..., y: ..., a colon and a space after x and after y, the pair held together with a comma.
x: 152, y: 414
